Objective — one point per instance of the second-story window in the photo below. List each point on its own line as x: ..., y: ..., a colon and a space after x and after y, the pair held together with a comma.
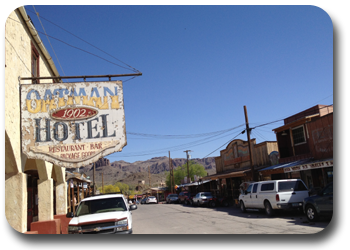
x: 35, y: 64
x: 298, y: 135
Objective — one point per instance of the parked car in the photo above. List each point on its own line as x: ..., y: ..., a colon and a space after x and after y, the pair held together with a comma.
x: 151, y: 199
x: 143, y: 200
x: 202, y: 198
x: 183, y: 195
x: 319, y: 205
x: 172, y: 198
x: 222, y: 202
x: 112, y: 209
x: 189, y: 199
x: 275, y: 194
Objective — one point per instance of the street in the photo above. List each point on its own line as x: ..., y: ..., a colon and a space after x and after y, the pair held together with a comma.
x: 181, y: 219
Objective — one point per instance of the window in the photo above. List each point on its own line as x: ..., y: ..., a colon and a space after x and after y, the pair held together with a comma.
x: 268, y: 186
x: 287, y: 186
x: 298, y: 135
x: 249, y: 189
x: 255, y: 188
x: 35, y: 64
x: 101, y: 206
x: 328, y: 190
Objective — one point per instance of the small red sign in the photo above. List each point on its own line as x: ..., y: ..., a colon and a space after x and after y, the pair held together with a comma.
x: 79, y: 113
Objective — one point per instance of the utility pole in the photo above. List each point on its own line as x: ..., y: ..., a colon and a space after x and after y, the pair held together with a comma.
x: 172, y: 168
x: 188, y: 170
x: 149, y: 176
x: 249, y: 143
x: 171, y: 174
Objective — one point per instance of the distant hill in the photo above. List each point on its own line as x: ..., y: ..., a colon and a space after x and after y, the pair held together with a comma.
x: 132, y: 173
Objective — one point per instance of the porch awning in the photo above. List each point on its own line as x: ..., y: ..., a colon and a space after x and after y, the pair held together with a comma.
x: 226, y: 175
x: 285, y: 165
x: 193, y: 183
x: 76, y: 176
x: 310, y: 165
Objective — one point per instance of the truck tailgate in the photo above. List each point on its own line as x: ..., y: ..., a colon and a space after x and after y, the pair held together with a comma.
x: 293, y: 196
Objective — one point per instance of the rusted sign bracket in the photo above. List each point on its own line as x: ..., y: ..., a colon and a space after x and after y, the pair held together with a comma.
x: 75, y: 77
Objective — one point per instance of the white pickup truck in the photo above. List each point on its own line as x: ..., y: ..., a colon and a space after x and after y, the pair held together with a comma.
x: 275, y: 194
x: 102, y: 214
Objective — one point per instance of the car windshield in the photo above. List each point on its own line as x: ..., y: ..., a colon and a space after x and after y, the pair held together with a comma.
x: 206, y: 194
x: 101, y: 206
x: 172, y: 195
x: 152, y: 197
x: 285, y: 186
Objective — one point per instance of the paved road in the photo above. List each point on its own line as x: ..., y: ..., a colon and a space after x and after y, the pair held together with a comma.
x: 180, y: 219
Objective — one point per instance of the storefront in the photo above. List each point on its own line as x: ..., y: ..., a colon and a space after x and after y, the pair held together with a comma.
x: 198, y: 186
x: 315, y: 173
x: 78, y: 187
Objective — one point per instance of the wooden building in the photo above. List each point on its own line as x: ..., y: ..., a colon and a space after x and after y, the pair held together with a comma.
x: 305, y: 144
x: 233, y: 165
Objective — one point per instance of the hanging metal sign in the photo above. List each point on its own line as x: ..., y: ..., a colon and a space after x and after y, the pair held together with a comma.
x: 72, y: 124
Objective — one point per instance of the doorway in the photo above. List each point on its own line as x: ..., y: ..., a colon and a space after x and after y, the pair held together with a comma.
x: 32, y: 196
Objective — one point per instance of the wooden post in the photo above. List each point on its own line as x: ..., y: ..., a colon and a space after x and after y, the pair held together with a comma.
x: 73, y: 199
x: 93, y: 192
x: 188, y: 170
x: 291, y: 140
x: 69, y: 199
x: 149, y: 176
x: 249, y: 144
x: 82, y: 191
x: 78, y: 193
x: 171, y: 174
x: 172, y: 169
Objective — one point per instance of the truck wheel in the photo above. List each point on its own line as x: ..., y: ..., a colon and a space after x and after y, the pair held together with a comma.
x: 311, y: 213
x: 268, y: 209
x: 242, y: 207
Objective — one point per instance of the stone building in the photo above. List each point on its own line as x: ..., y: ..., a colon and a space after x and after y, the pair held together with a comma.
x: 35, y: 190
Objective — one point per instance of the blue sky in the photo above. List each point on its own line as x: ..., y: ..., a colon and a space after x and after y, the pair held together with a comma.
x: 200, y: 65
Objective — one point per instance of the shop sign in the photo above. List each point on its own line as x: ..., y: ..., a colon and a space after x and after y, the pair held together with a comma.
x: 72, y: 124
x: 239, y: 154
x: 309, y: 166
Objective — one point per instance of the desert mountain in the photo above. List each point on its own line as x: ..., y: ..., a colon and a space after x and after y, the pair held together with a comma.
x: 151, y: 171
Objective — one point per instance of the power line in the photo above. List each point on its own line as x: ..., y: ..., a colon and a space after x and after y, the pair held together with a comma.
x: 19, y: 56
x: 133, y: 69
x: 307, y: 113
x: 177, y: 147
x: 76, y: 47
x: 223, y: 144
x: 183, y: 136
x: 37, y: 14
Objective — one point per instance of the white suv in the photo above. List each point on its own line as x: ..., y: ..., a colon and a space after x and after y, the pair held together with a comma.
x: 274, y: 194
x: 102, y: 214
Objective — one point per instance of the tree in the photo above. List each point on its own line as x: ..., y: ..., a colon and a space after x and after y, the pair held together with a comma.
x: 181, y: 172
x: 109, y: 189
x: 124, y: 188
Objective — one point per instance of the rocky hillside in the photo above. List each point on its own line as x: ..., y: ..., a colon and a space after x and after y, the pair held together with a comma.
x: 132, y: 173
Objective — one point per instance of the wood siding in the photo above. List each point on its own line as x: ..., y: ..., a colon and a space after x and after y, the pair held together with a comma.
x: 321, y: 137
